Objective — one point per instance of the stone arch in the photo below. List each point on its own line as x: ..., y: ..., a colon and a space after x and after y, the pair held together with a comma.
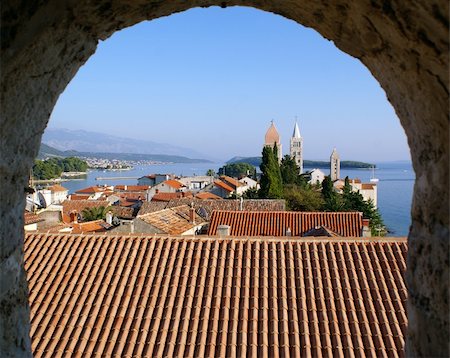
x: 403, y: 44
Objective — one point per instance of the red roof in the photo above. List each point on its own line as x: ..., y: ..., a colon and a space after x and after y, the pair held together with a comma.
x: 230, y: 181
x: 141, y: 188
x: 171, y: 196
x: 80, y: 205
x: 223, y: 185
x: 276, y: 223
x: 207, y: 195
x: 174, y: 184
x: 57, y: 187
x: 367, y: 186
x: 31, y: 218
x: 91, y: 190
x: 124, y: 296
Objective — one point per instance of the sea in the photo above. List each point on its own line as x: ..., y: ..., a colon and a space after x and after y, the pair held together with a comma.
x: 395, y: 186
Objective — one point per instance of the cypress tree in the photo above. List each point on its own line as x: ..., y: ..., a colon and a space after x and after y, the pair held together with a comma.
x: 271, y: 182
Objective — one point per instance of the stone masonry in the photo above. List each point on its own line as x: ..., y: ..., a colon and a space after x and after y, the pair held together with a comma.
x: 403, y: 43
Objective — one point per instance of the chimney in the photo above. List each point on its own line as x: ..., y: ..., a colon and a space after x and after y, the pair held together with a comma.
x: 366, y: 228
x: 109, y: 217
x: 288, y: 232
x: 132, y: 227
x: 241, y: 204
x: 223, y: 230
x: 73, y: 216
x: 192, y: 215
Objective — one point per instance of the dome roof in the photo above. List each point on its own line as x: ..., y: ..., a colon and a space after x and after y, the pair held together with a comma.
x: 272, y: 135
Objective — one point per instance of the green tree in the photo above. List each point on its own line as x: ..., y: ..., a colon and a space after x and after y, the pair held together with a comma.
x: 238, y: 170
x: 95, y: 213
x: 211, y: 172
x: 332, y: 200
x: 251, y: 193
x: 271, y: 181
x: 299, y: 198
x: 354, y: 201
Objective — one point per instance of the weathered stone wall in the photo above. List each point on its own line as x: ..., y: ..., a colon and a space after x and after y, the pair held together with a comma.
x: 403, y: 43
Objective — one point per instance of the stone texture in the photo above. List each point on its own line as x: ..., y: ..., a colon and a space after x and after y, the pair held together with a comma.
x: 403, y: 43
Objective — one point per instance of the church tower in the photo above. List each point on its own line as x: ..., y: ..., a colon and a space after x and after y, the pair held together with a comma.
x: 272, y: 138
x: 297, y: 148
x: 335, y: 166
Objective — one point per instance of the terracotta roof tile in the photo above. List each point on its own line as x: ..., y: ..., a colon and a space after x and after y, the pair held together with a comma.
x: 173, y: 221
x: 122, y: 212
x: 123, y: 296
x: 207, y: 195
x: 170, y: 196
x: 91, y: 190
x: 57, y: 187
x: 276, y: 223
x: 31, y: 218
x: 174, y: 183
x: 151, y: 206
x: 140, y: 188
x: 223, y: 185
x: 80, y: 205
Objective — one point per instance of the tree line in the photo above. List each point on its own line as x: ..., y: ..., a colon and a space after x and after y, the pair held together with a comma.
x: 53, y: 167
x: 282, y: 181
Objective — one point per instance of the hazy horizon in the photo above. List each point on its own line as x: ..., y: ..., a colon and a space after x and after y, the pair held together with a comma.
x: 213, y: 79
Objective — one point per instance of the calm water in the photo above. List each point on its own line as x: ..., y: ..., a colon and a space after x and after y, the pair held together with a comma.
x: 395, y: 187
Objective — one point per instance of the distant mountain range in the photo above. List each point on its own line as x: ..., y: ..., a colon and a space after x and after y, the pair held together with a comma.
x: 86, y: 141
x: 347, y: 164
x: 46, y: 151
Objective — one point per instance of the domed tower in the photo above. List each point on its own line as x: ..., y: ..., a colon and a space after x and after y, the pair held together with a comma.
x: 273, y: 138
x: 296, y: 149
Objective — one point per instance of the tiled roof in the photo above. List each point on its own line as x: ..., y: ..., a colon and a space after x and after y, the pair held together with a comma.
x: 320, y: 231
x: 141, y: 188
x: 174, y: 183
x: 230, y: 181
x: 223, y: 185
x: 245, y: 223
x: 91, y: 190
x: 169, y: 196
x: 208, y: 206
x: 367, y: 186
x: 80, y: 205
x: 123, y: 213
x: 173, y: 221
x: 31, y: 218
x: 151, y: 206
x: 207, y: 195
x: 77, y: 197
x: 88, y: 227
x: 57, y: 187
x: 123, y: 296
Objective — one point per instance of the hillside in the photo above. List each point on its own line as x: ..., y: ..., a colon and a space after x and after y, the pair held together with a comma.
x: 47, y: 151
x: 93, y: 142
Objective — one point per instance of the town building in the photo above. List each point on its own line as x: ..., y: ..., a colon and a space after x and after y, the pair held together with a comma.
x: 272, y: 139
x: 154, y: 179
x: 286, y: 223
x: 335, y: 165
x: 315, y: 176
x: 296, y: 148
x: 166, y: 186
x: 369, y: 191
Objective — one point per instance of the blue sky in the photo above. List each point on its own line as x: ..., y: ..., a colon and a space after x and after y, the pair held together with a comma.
x: 212, y: 79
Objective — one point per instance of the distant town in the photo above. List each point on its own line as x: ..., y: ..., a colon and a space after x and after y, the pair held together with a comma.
x: 163, y: 203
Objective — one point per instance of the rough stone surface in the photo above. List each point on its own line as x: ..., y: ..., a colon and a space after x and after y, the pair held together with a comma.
x: 403, y: 43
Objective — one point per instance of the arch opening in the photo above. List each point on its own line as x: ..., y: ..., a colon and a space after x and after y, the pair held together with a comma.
x: 409, y: 61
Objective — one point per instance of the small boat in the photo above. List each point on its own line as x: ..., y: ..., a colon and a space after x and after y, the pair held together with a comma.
x: 373, y: 179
